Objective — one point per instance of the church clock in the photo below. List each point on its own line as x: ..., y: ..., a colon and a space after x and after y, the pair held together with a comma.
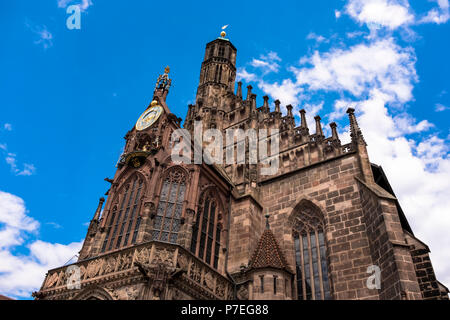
x: 149, y: 116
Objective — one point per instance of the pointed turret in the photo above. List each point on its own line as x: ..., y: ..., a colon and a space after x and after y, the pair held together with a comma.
x: 355, y: 131
x: 99, y: 209
x: 359, y: 144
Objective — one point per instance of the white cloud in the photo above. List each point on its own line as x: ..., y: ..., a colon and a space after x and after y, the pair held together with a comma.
x: 21, y: 274
x: 28, y: 170
x: 391, y: 14
x: 440, y: 107
x: 377, y: 78
x: 337, y: 14
x: 438, y: 15
x: 242, y: 74
x: 11, y: 160
x: 267, y: 63
x: 381, y: 64
x: 316, y: 37
x: 287, y: 91
x: 44, y: 37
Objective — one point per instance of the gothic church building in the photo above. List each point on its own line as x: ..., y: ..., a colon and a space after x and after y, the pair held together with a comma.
x: 318, y: 229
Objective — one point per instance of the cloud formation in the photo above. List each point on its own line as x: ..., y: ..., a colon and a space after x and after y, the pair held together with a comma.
x: 43, y: 36
x: 391, y: 14
x: 21, y: 274
x: 376, y: 77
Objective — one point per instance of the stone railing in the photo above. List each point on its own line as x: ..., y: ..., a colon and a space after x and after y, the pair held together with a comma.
x: 123, y: 263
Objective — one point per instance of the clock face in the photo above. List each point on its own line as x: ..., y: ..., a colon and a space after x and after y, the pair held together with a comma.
x: 149, y: 117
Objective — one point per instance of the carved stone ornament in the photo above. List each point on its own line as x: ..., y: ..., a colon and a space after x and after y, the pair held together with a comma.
x: 242, y: 293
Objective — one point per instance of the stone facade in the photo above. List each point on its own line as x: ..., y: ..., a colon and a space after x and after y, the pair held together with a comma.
x: 312, y: 230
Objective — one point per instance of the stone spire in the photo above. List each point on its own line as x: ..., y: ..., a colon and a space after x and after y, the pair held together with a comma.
x: 355, y: 131
x: 319, y: 131
x: 277, y: 106
x: 303, y: 123
x: 289, y: 110
x: 253, y: 102
x: 359, y: 145
x: 99, y: 208
x: 249, y: 92
x: 267, y: 221
x: 334, y: 134
x: 239, y: 90
x: 266, y: 107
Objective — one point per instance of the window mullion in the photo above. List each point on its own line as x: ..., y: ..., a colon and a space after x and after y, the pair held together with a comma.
x: 311, y: 270
x: 302, y: 266
x: 319, y: 266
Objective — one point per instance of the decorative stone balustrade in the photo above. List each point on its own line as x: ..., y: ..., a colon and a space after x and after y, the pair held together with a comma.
x: 123, y: 264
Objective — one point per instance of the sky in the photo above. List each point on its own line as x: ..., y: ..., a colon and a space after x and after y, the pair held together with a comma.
x: 68, y: 97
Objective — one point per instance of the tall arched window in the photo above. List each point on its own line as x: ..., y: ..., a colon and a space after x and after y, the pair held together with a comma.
x: 206, y: 230
x: 124, y: 216
x: 310, y: 253
x: 168, y: 216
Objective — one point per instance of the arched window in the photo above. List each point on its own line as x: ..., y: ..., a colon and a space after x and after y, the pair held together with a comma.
x: 124, y: 216
x: 168, y: 216
x: 206, y: 230
x: 310, y: 253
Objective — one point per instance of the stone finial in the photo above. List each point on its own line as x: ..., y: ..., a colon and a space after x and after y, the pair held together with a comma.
x: 277, y: 106
x: 239, y: 90
x: 99, y: 208
x: 253, y: 100
x: 249, y: 92
x: 267, y: 221
x: 334, y: 134
x: 355, y: 131
x: 266, y: 107
x: 303, y: 123
x: 289, y: 110
x: 319, y: 131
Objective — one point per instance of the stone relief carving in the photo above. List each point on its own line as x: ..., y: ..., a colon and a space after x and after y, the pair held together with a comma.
x: 125, y: 293
x: 242, y: 293
x: 157, y: 272
x: 208, y: 280
x: 165, y: 256
x: 142, y: 256
x: 93, y: 268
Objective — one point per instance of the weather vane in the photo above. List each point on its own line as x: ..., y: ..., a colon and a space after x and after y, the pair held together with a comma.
x: 223, y: 33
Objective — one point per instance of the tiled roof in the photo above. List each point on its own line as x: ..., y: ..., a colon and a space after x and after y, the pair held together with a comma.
x: 268, y: 253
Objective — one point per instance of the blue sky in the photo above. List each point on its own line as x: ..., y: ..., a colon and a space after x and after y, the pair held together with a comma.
x: 69, y: 96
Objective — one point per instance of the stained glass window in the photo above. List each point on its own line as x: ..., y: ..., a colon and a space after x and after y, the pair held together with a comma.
x: 310, y: 255
x: 168, y: 214
x: 124, y: 215
x: 206, y: 231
